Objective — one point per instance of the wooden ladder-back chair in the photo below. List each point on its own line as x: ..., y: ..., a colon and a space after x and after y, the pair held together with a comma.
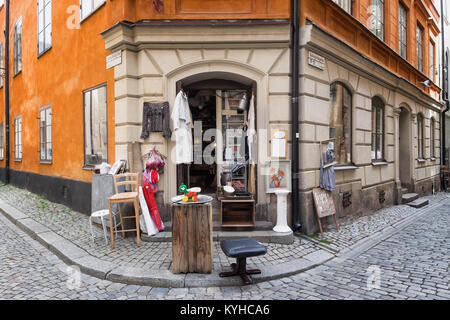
x: 132, y: 196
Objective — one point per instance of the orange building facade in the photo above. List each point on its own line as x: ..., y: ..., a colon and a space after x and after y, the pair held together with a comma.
x: 223, y: 45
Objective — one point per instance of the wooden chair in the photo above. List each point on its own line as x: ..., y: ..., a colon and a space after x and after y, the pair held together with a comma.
x: 124, y: 197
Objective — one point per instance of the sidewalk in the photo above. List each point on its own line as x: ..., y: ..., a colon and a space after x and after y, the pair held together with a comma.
x: 66, y: 233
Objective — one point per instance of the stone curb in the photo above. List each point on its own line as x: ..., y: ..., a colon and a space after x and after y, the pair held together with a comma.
x: 74, y: 255
x: 261, y: 236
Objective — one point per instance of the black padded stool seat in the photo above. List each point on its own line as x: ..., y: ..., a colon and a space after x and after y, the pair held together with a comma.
x: 241, y: 249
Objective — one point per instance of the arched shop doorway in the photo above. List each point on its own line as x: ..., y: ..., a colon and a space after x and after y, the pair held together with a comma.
x: 219, y: 104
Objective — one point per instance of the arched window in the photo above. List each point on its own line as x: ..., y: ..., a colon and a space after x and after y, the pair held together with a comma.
x: 432, y: 137
x: 420, y: 136
x: 341, y: 122
x: 377, y: 129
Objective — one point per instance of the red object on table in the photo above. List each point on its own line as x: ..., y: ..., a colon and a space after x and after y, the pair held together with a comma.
x: 152, y: 207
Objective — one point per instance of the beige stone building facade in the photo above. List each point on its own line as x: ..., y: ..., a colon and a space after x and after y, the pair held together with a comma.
x: 410, y: 159
x: 156, y: 57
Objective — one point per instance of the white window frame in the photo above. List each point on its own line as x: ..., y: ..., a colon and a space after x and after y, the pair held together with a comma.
x: 432, y: 48
x: 378, y: 20
x: 87, y: 94
x: 44, y: 7
x: 18, y: 127
x: 403, y: 31
x: 18, y: 47
x: 346, y: 5
x: 94, y: 5
x: 45, y: 141
x: 419, y: 47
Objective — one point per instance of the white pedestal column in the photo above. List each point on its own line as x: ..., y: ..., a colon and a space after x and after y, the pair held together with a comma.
x: 282, y: 225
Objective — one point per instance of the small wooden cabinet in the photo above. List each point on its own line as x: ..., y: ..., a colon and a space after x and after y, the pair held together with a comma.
x: 237, y: 211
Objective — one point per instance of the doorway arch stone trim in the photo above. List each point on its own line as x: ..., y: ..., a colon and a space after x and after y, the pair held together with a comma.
x: 229, y: 67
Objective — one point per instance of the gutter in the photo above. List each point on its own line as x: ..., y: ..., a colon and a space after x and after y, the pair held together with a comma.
x: 7, y: 153
x: 444, y: 94
x: 295, y: 71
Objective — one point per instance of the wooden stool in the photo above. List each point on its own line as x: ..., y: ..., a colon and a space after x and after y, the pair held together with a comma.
x: 241, y: 249
x: 124, y: 197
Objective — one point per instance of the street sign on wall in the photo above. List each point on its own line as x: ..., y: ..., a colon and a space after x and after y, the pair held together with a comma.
x: 114, y: 59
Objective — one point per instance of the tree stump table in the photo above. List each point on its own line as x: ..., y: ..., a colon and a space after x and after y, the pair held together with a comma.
x: 192, y: 244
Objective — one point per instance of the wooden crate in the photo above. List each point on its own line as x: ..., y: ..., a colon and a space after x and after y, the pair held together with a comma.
x: 237, y: 213
x: 192, y: 244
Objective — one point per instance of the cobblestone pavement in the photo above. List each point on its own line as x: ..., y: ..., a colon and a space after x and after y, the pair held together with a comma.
x: 74, y: 226
x: 412, y: 264
x: 355, y: 228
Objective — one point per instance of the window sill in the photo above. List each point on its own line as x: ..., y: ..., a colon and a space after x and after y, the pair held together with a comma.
x: 379, y: 163
x: 45, y: 162
x: 93, y: 11
x: 17, y: 74
x: 44, y: 52
x: 17, y: 160
x: 345, y: 167
x: 421, y: 160
x: 433, y: 159
x: 88, y: 168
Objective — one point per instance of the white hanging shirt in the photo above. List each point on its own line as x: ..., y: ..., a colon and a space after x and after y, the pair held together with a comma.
x: 182, y: 124
x: 251, y: 131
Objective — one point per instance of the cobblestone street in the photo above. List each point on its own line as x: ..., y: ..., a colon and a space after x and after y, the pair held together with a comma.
x: 412, y: 264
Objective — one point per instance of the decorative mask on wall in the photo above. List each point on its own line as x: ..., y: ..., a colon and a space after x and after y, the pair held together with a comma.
x: 158, y: 5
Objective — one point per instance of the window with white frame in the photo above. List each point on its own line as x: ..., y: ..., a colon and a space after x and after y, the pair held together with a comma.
x: 2, y: 2
x: 95, y: 126
x: 432, y: 61
x: 419, y: 40
x: 341, y: 122
x: 45, y: 134
x: 377, y: 129
x: 432, y: 137
x: 89, y: 6
x: 420, y: 148
x: 1, y: 142
x: 402, y: 31
x: 344, y: 4
x: 378, y: 18
x: 18, y: 138
x: 44, y: 10
x: 18, y: 46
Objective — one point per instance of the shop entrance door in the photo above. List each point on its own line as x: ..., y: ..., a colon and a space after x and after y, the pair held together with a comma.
x: 214, y: 105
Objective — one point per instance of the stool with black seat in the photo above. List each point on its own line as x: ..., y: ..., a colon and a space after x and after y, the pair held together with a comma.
x: 241, y: 249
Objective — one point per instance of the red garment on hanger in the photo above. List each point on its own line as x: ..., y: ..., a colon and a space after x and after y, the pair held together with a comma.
x: 152, y: 207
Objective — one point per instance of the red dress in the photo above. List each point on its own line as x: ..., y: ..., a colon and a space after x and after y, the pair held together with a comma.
x: 152, y: 207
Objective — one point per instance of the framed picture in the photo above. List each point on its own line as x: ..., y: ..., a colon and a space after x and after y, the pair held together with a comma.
x: 277, y: 174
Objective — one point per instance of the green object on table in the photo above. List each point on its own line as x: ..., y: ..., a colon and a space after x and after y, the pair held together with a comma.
x: 183, y: 189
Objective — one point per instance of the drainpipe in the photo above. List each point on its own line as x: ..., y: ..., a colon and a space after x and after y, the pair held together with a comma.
x: 444, y: 90
x: 295, y: 26
x: 7, y: 92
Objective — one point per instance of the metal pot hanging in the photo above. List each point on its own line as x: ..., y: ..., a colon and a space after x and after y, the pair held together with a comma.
x: 243, y: 103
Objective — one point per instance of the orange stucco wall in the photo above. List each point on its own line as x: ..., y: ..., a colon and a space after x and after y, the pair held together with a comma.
x: 76, y: 62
